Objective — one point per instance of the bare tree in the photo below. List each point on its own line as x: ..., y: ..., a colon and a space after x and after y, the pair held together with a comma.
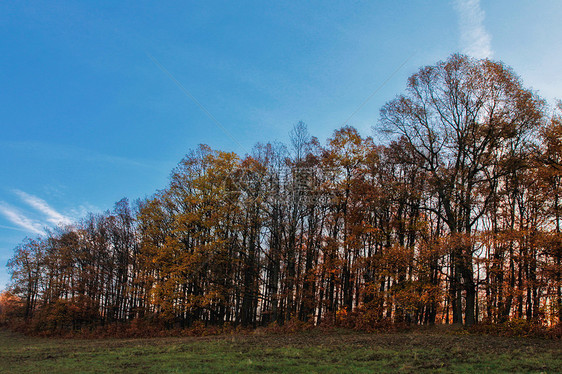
x: 463, y: 118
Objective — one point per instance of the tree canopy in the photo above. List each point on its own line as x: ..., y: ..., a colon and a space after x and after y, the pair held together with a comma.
x: 455, y: 220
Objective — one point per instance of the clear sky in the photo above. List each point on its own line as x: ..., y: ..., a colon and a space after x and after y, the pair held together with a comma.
x: 89, y: 115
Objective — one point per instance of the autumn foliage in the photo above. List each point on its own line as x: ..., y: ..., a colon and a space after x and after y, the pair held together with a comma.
x: 455, y: 220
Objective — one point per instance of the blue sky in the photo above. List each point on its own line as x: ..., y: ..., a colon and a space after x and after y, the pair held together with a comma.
x: 88, y: 117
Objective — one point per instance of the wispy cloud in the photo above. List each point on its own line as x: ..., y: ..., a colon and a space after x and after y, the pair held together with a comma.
x: 28, y: 221
x: 41, y: 205
x: 13, y: 228
x: 83, y: 210
x: 69, y: 152
x: 20, y: 219
x: 475, y: 40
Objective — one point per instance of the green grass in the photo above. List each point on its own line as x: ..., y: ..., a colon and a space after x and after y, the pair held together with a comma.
x: 305, y: 352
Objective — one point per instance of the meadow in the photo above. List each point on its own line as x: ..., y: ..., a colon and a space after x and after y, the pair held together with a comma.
x: 321, y: 351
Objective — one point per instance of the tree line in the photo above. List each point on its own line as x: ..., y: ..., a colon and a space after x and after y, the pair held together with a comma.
x: 456, y: 219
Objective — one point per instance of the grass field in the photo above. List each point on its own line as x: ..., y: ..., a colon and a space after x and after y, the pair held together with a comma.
x: 306, y: 352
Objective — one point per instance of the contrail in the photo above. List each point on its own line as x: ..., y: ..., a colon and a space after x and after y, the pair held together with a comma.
x: 475, y: 40
x: 378, y: 88
x: 190, y: 95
